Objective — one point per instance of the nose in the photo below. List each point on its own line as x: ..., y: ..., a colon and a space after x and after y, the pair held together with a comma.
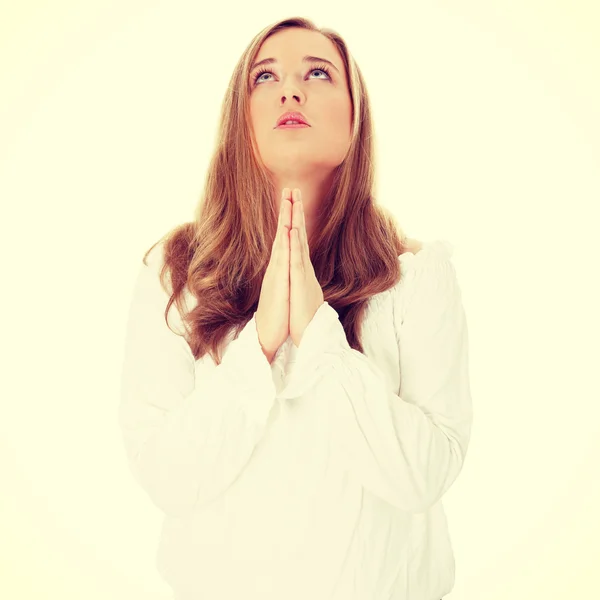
x: 297, y: 98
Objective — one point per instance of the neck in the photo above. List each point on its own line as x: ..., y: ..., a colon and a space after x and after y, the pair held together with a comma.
x: 313, y: 191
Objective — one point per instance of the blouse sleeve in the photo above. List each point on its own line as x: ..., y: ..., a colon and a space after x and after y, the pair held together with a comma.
x: 186, y: 438
x: 409, y: 448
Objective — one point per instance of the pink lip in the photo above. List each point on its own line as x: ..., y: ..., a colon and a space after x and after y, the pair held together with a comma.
x: 291, y: 115
x: 295, y: 126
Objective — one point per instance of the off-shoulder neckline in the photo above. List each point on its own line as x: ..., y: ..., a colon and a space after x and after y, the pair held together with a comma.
x: 441, y: 248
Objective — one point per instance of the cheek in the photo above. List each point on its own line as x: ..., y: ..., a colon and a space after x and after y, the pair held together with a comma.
x: 338, y: 123
x: 337, y: 111
x: 263, y: 116
x: 259, y: 118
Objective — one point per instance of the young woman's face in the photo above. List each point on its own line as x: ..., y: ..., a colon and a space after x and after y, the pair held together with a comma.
x: 292, y: 84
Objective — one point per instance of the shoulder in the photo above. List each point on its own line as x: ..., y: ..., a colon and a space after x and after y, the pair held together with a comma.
x: 413, y: 246
x: 428, y: 276
x: 419, y: 253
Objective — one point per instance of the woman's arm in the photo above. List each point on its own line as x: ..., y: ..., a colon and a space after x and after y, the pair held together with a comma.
x: 187, y: 438
x: 406, y: 448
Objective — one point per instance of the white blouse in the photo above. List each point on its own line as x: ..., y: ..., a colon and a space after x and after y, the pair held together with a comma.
x: 320, y: 476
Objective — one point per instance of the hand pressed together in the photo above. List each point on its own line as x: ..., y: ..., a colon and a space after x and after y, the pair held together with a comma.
x: 290, y: 294
x: 306, y: 295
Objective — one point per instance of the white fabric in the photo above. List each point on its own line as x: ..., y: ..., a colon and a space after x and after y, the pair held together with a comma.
x: 319, y: 476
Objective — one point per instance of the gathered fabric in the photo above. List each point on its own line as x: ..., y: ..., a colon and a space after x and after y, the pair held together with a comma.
x: 320, y: 475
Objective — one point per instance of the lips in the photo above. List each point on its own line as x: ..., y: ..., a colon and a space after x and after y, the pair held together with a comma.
x: 292, y: 116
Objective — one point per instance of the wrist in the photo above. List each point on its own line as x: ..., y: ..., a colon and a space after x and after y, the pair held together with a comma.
x: 268, y: 355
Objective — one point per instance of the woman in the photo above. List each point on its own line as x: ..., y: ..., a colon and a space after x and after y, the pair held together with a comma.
x: 301, y: 427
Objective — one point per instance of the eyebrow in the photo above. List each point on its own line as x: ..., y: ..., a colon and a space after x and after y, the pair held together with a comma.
x: 307, y: 58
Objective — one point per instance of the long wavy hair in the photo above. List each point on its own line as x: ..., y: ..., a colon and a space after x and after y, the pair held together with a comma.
x: 222, y: 255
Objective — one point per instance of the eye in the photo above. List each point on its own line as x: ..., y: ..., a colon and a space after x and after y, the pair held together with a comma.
x: 264, y: 70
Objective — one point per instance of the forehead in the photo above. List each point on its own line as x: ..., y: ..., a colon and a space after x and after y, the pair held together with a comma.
x: 289, y: 45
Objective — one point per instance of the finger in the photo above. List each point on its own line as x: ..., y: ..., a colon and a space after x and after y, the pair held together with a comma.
x: 287, y: 218
x: 281, y: 242
x: 295, y: 214
x: 304, y: 234
x: 280, y: 222
x: 285, y: 247
x: 286, y: 196
x: 299, y: 222
x: 296, y: 259
x: 294, y: 221
x: 300, y: 225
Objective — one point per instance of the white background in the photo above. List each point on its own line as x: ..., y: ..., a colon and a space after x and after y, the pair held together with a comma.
x: 488, y: 129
